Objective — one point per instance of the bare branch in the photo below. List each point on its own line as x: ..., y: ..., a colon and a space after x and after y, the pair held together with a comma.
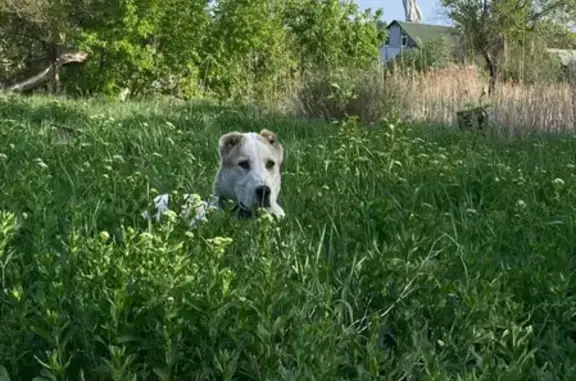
x: 538, y: 15
x: 36, y: 80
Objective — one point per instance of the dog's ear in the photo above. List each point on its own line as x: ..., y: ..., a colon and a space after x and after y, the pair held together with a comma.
x: 229, y: 141
x: 270, y: 136
x: 273, y: 140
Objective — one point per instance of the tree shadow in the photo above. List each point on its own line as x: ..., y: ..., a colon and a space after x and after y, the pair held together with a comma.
x: 38, y: 111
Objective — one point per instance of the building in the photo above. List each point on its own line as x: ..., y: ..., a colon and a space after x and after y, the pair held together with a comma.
x: 404, y: 35
x: 567, y: 57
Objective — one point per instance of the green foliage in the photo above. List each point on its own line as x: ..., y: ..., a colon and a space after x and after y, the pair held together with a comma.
x: 32, y: 32
x: 143, y: 47
x: 246, y: 50
x: 436, y: 54
x: 405, y: 254
x: 365, y: 94
x: 556, y: 35
x: 232, y: 49
x: 513, y: 17
x: 332, y: 33
x: 488, y: 27
x: 532, y: 64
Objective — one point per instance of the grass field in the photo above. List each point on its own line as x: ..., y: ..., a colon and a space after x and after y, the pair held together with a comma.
x: 406, y: 253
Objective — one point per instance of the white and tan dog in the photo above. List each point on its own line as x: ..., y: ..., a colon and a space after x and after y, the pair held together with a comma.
x: 249, y: 171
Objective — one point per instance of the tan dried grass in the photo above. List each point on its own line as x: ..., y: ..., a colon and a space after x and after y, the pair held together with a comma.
x: 518, y: 108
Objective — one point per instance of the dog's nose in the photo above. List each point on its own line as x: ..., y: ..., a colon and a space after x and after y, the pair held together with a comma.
x: 263, y: 195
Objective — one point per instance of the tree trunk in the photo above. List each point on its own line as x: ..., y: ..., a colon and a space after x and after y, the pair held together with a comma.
x: 494, y: 71
x: 53, y: 70
x: 494, y: 54
x: 55, y: 77
x: 53, y: 55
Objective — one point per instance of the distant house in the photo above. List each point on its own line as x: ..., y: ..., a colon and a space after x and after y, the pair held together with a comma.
x: 567, y: 57
x: 405, y: 35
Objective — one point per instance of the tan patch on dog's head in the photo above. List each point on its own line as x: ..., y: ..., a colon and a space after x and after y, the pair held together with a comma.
x: 270, y: 138
x: 228, y: 142
x: 232, y: 140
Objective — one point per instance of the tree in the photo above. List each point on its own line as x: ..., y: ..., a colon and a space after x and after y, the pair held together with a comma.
x: 332, y: 33
x: 556, y: 35
x: 488, y: 26
x: 140, y: 46
x: 38, y: 37
x: 435, y: 54
x: 228, y: 48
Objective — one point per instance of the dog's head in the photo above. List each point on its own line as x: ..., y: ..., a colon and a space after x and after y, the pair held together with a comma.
x: 249, y: 170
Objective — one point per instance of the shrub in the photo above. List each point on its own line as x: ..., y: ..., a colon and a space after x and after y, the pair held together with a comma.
x: 365, y: 94
x: 436, y: 54
x: 531, y: 64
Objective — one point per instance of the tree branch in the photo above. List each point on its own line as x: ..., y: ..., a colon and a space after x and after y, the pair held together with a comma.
x: 36, y: 80
x: 536, y: 16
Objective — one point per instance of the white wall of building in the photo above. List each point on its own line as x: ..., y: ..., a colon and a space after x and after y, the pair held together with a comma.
x: 393, y: 45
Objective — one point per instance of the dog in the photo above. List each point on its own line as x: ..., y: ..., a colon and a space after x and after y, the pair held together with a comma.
x: 249, y: 172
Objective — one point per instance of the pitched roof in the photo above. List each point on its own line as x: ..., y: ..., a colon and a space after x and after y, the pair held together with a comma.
x: 423, y: 33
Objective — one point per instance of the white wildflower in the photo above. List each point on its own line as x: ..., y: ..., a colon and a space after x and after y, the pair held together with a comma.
x: 104, y: 236
x: 41, y: 163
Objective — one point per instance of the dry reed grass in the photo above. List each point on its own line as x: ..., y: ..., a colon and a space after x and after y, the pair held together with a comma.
x: 436, y: 96
x: 518, y: 108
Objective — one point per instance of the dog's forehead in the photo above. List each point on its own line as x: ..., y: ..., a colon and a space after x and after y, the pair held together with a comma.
x: 256, y: 138
x: 255, y: 144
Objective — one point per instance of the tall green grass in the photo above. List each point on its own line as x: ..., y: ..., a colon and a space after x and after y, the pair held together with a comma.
x: 406, y: 254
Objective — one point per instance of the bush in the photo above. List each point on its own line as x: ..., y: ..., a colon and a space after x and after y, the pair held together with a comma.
x: 436, y: 54
x: 365, y: 94
x: 531, y: 65
x: 230, y: 49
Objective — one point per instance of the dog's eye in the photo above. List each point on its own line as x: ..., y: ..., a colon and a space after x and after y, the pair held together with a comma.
x: 244, y: 164
x: 269, y: 164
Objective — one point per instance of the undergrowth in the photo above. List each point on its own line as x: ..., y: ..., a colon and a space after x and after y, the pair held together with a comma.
x: 405, y: 254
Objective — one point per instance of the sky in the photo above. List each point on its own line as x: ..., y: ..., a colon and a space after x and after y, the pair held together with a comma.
x: 394, y: 10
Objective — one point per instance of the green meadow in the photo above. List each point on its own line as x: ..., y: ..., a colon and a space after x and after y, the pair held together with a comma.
x: 407, y: 253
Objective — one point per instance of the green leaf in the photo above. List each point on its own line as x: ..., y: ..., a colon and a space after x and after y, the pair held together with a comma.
x: 4, y: 374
